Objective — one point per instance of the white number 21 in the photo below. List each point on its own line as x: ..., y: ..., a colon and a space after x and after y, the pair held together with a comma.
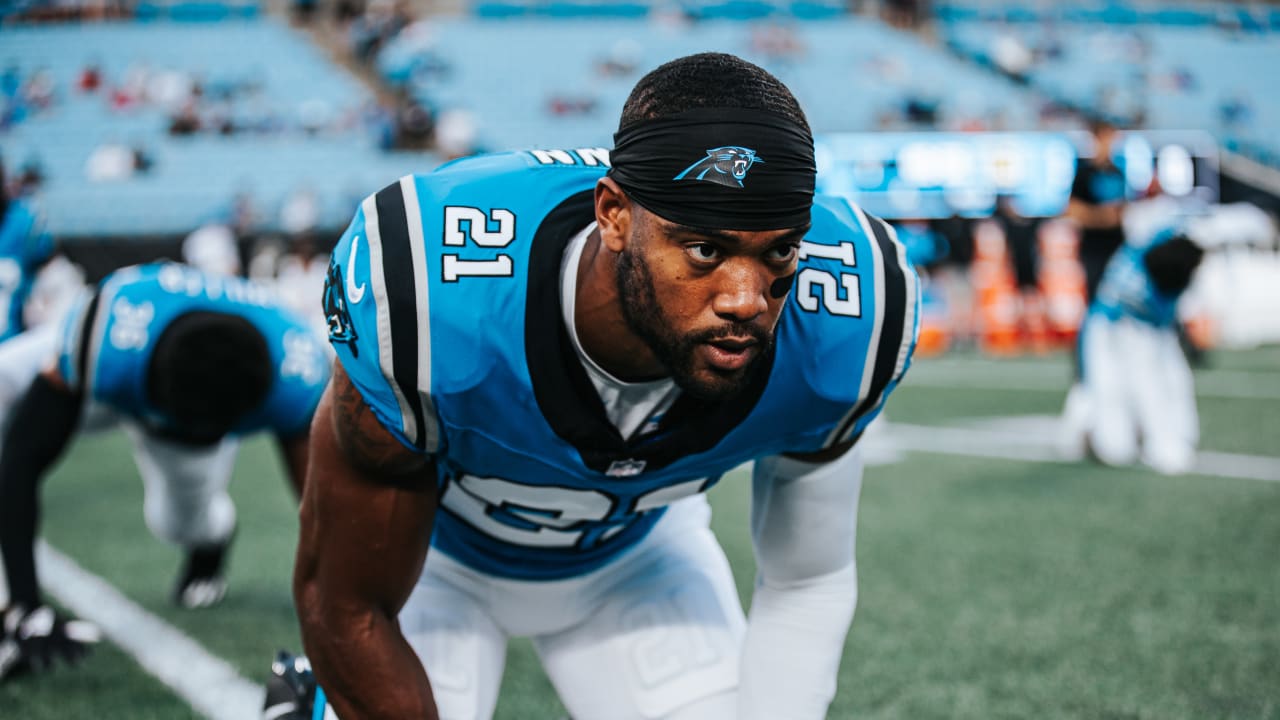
x: 493, y: 230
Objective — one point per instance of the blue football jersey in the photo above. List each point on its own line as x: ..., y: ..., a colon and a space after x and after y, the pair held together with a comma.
x: 444, y: 307
x: 108, y: 338
x: 24, y: 245
x: 1126, y: 289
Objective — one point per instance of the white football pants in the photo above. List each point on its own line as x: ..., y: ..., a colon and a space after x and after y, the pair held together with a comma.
x: 1140, y: 395
x: 655, y: 634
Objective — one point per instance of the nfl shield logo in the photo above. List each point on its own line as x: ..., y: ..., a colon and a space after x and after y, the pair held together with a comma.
x: 625, y: 468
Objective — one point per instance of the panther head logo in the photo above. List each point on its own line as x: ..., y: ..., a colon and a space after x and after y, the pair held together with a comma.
x: 726, y: 165
x: 336, y: 313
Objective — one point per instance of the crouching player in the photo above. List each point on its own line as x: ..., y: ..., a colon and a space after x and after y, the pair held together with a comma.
x: 187, y: 362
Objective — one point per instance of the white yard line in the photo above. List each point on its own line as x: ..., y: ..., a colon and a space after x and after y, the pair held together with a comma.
x: 998, y: 439
x: 1054, y: 377
x: 206, y: 682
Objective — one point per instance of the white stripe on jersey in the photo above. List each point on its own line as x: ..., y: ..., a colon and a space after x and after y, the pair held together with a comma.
x: 873, y: 342
x: 910, y: 324
x: 100, y: 314
x: 911, y: 316
x: 413, y: 221
x: 73, y: 333
x: 378, y: 283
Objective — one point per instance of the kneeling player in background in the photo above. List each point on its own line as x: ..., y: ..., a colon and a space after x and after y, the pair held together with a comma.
x: 187, y: 361
x: 1138, y: 399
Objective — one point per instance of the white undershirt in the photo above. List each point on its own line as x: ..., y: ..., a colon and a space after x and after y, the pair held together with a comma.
x: 629, y: 406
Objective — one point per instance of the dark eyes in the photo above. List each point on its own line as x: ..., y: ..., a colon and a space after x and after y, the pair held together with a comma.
x: 703, y: 252
x: 782, y: 253
x: 708, y: 253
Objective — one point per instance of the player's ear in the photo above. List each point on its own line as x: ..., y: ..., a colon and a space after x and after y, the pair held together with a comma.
x: 613, y: 214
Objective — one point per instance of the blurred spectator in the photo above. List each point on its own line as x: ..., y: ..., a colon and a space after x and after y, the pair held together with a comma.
x: 1022, y: 239
x: 903, y: 13
x: 381, y: 21
x: 346, y: 11
x: 111, y: 161
x: 212, y: 248
x: 456, y: 134
x: 776, y: 43
x: 30, y: 178
x: 142, y: 160
x: 90, y: 79
x: 622, y: 60
x: 950, y: 275
x: 186, y: 121
x: 1097, y: 204
x: 39, y: 90
x: 300, y: 213
x: 414, y: 125
x: 304, y: 11
x: 1235, y: 112
x: 1011, y: 54
x: 560, y: 105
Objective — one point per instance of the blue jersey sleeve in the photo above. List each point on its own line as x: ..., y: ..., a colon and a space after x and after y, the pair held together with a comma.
x: 371, y: 306
x: 302, y: 371
x: 877, y: 334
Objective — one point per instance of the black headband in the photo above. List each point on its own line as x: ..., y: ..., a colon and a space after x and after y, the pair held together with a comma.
x: 721, y: 168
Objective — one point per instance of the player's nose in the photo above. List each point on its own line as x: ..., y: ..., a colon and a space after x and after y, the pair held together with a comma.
x: 743, y: 292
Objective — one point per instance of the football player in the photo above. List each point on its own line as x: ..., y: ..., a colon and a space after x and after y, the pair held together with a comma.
x: 187, y: 361
x: 1136, y: 399
x: 544, y: 361
x: 24, y: 247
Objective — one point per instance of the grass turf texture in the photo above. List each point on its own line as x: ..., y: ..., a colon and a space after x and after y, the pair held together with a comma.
x: 988, y: 588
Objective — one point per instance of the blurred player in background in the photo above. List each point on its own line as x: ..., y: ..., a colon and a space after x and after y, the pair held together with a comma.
x: 188, y: 361
x: 1022, y: 240
x: 1136, y: 398
x: 24, y: 247
x: 1097, y: 205
x: 546, y: 391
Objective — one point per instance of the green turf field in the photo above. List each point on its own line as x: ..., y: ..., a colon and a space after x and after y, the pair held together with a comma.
x: 989, y: 588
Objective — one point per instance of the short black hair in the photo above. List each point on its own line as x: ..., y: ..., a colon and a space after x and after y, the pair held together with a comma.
x: 708, y: 80
x: 1172, y: 263
x: 209, y: 370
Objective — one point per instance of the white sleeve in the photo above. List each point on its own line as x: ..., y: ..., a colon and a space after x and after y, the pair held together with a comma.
x: 804, y: 519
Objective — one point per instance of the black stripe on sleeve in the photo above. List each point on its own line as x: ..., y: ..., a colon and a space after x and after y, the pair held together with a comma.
x: 891, y: 325
x: 83, y: 341
x: 402, y: 308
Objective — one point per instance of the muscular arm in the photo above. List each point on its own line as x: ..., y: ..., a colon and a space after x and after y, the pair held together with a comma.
x: 804, y: 516
x: 366, y: 516
x: 38, y: 429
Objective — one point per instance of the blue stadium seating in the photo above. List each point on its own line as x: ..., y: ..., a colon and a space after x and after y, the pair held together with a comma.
x: 847, y: 72
x: 193, y: 178
x: 1181, y: 79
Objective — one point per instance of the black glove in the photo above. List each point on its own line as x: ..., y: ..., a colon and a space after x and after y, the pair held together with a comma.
x: 291, y: 689
x: 35, y: 640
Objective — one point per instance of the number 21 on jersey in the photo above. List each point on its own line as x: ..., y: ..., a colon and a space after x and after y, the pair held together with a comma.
x: 816, y: 285
x: 495, y: 229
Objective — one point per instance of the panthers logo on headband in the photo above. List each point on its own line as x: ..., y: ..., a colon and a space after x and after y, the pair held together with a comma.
x: 726, y: 166
x: 336, y: 313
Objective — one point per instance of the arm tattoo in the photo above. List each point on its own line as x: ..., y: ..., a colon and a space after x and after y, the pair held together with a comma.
x: 362, y: 438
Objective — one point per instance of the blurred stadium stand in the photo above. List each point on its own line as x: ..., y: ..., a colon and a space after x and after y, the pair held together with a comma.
x: 849, y: 73
x: 288, y: 119
x: 1170, y: 67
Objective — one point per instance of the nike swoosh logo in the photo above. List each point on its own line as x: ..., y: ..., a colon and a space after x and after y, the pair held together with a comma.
x: 354, y: 294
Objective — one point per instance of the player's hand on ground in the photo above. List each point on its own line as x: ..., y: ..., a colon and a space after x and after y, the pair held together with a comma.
x: 291, y: 689
x: 36, y: 640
